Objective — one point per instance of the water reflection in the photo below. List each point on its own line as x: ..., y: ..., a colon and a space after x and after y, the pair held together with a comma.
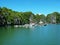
x: 39, y: 35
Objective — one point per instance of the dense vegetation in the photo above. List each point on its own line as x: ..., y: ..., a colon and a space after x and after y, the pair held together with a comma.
x: 8, y: 16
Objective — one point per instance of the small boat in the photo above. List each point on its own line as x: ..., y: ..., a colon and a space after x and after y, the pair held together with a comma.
x: 45, y: 24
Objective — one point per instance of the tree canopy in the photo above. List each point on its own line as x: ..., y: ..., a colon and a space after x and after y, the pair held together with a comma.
x: 9, y: 16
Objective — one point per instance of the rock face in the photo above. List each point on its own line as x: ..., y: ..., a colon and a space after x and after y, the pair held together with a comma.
x: 2, y: 20
x: 16, y: 21
x: 53, y: 19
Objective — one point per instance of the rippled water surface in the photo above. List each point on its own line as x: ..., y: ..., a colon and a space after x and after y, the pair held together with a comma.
x: 39, y: 35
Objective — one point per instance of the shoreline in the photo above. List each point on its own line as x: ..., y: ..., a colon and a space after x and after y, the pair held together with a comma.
x: 22, y: 25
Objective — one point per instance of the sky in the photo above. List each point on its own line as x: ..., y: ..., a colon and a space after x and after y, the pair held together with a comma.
x: 35, y: 6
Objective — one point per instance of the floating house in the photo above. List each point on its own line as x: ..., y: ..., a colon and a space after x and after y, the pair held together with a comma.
x: 41, y: 22
x: 32, y: 23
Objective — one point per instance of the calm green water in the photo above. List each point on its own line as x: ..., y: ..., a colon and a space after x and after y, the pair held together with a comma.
x: 45, y: 35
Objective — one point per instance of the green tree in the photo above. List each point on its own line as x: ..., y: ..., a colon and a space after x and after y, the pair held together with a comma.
x: 37, y: 18
x: 43, y: 18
